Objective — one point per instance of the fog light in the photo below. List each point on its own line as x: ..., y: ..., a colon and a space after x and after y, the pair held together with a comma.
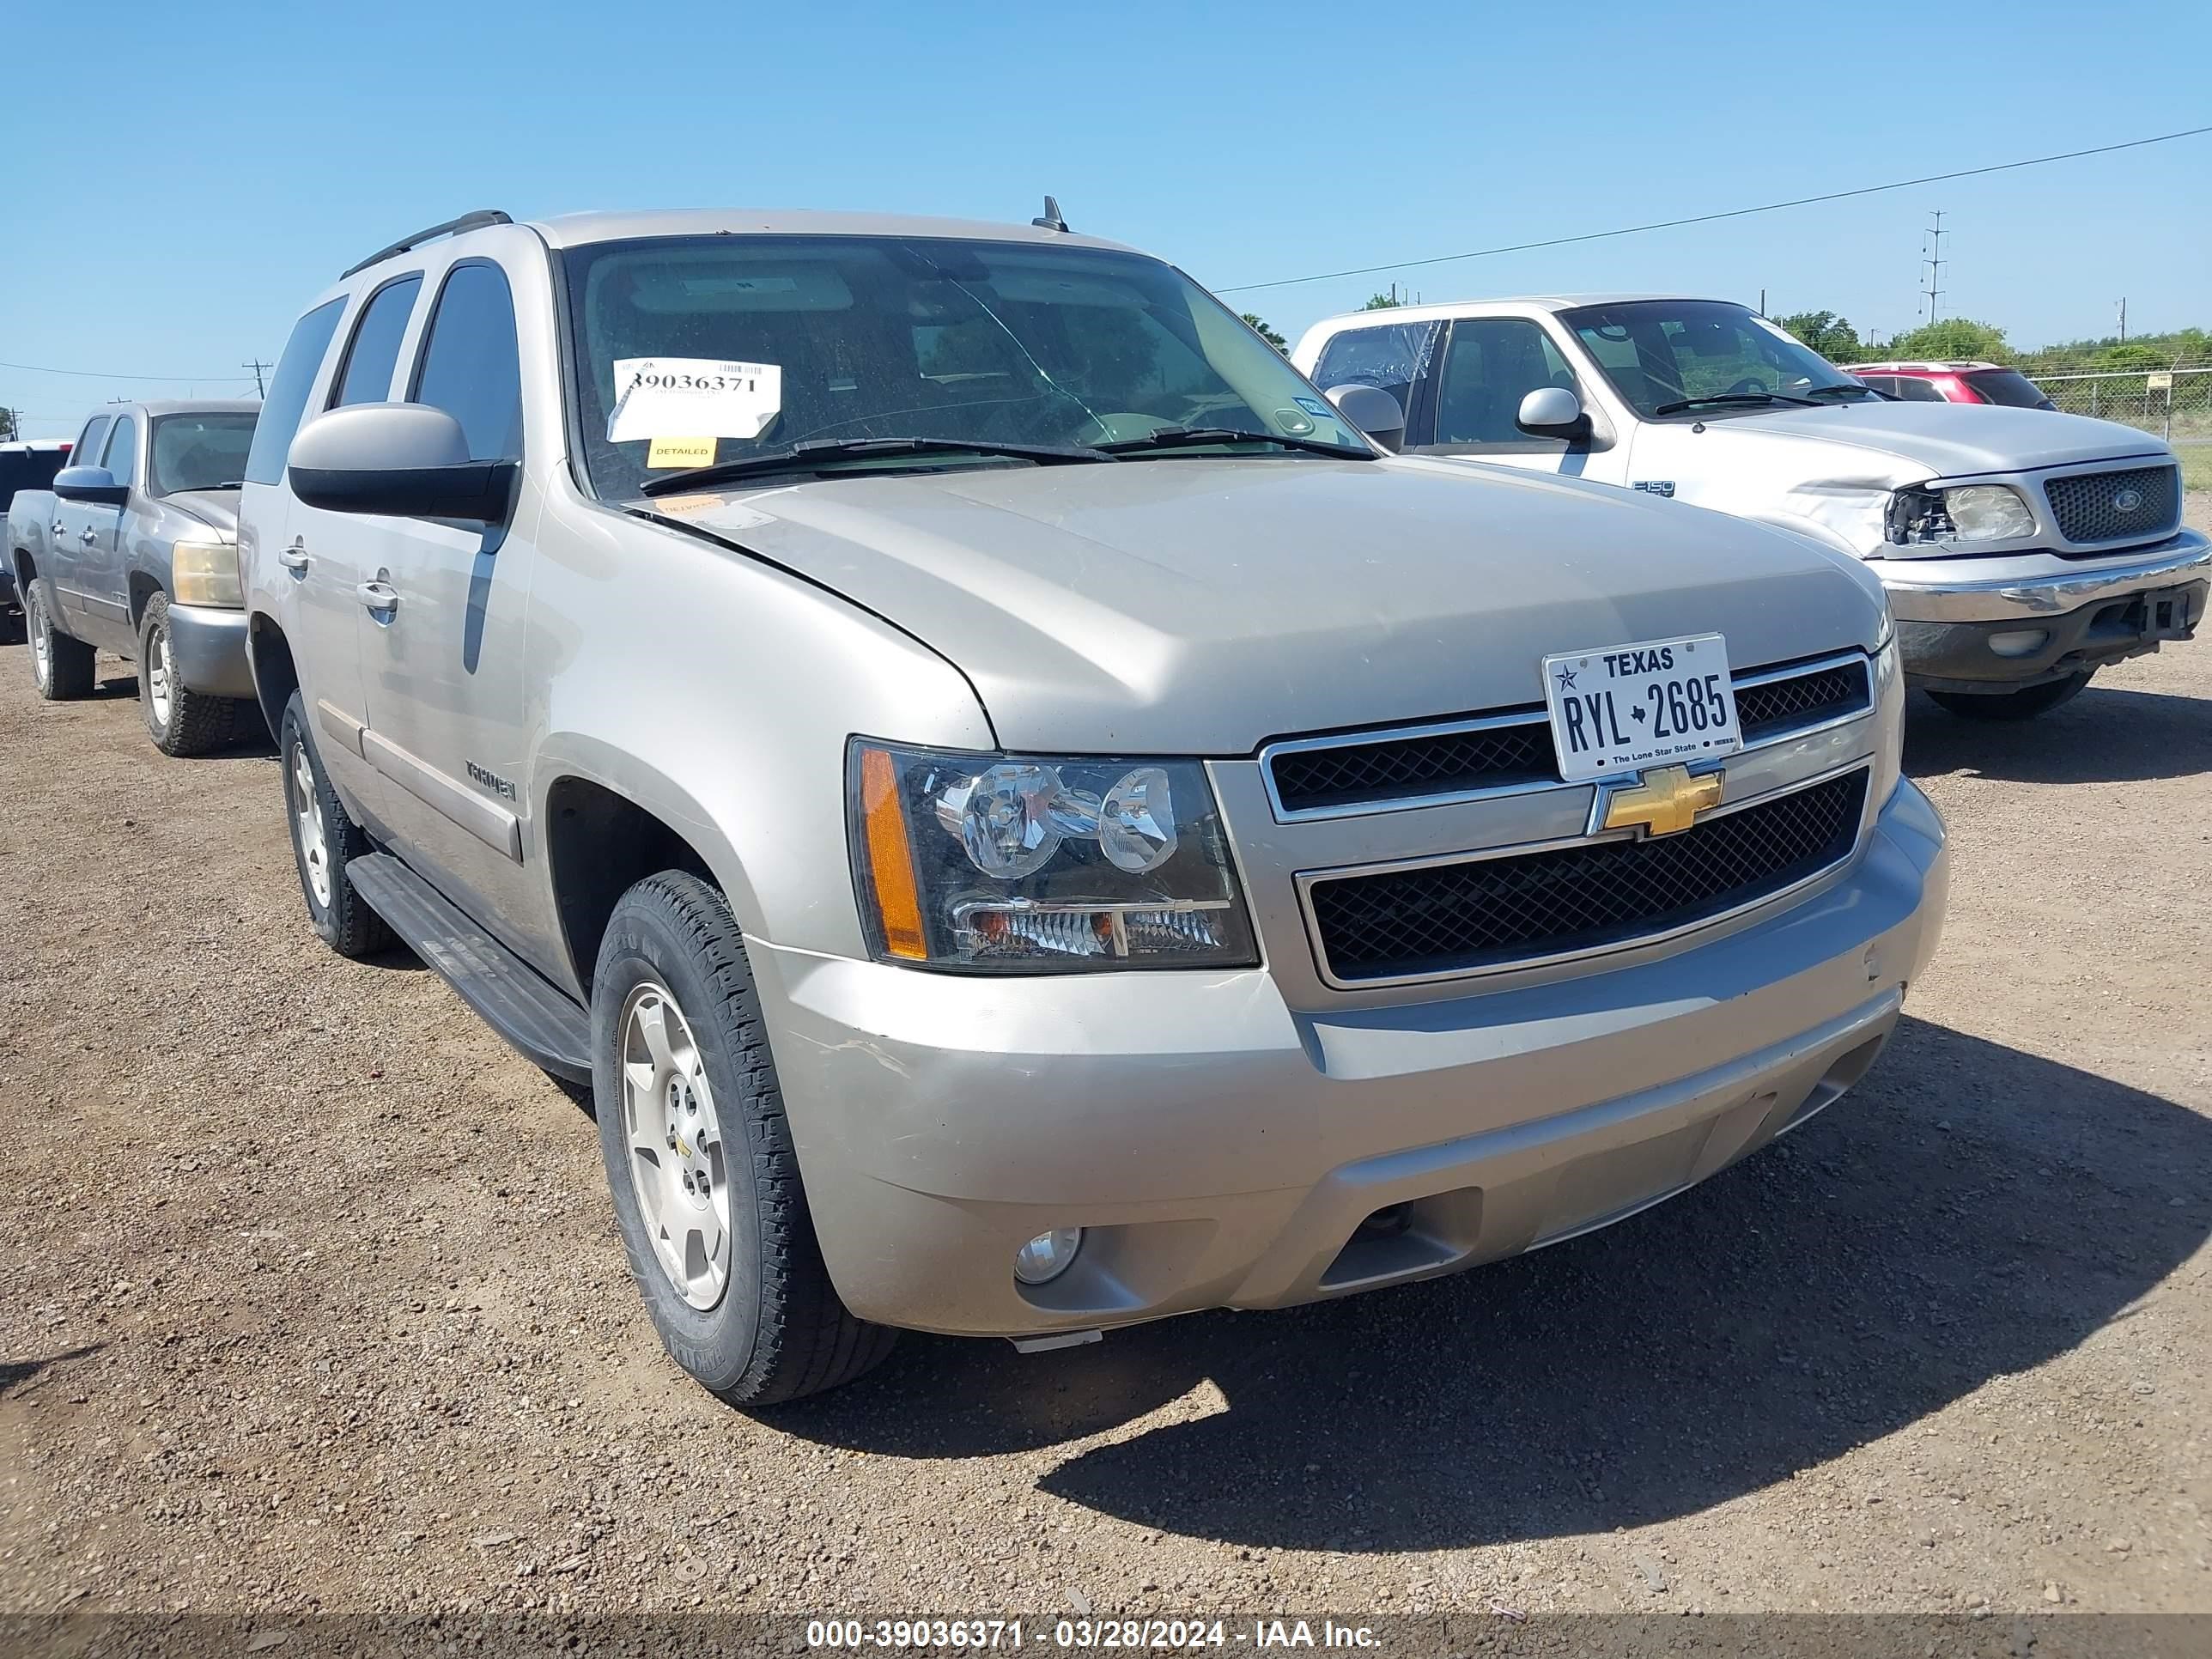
x: 1047, y: 1255
x: 2021, y: 643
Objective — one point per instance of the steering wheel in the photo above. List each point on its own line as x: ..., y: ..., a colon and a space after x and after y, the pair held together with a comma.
x: 1749, y: 383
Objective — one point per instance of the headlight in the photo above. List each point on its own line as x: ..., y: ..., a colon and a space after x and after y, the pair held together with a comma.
x: 205, y: 572
x: 1970, y: 513
x: 1015, y: 863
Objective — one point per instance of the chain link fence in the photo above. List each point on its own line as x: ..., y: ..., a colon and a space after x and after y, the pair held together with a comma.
x: 2175, y: 402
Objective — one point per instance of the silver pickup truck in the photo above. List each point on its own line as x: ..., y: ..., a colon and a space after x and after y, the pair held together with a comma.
x: 2022, y: 549
x: 134, y: 549
x: 1025, y: 820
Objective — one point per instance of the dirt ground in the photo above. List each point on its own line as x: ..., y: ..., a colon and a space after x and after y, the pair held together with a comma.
x: 311, y: 1298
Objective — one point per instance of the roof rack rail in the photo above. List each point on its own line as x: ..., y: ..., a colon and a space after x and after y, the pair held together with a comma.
x: 475, y: 221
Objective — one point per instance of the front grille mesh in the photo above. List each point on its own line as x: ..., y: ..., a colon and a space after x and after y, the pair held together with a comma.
x: 1782, y: 705
x: 1491, y: 912
x: 2087, y: 505
x: 1389, y: 768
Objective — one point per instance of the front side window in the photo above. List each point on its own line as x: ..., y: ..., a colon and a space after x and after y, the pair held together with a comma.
x: 1705, y: 358
x: 1915, y: 390
x: 690, y: 351
x: 471, y: 367
x: 1392, y: 356
x: 1489, y: 364
x: 198, y: 451
x: 122, y: 459
x: 375, y: 352
x: 287, y: 391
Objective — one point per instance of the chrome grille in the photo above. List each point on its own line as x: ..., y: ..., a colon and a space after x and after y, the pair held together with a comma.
x: 1512, y: 749
x: 2142, y: 503
x: 1489, y: 913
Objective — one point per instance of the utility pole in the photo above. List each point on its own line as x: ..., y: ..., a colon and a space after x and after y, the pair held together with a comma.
x: 2123, y: 319
x: 256, y: 365
x: 1934, y: 260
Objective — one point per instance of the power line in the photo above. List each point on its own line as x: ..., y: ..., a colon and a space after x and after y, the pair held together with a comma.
x: 94, y: 375
x: 1709, y: 218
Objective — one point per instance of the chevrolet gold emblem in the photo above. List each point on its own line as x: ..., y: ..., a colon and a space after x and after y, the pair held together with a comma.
x: 1666, y: 801
x: 683, y: 1146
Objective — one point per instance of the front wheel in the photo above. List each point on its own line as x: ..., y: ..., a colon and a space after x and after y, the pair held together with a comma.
x: 180, y: 721
x: 61, y: 667
x: 700, y: 1160
x: 2022, y: 705
x: 325, y: 840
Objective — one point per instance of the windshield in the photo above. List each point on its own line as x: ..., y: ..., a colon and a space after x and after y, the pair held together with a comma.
x: 700, y: 351
x: 198, y: 451
x: 2007, y: 386
x: 1666, y: 351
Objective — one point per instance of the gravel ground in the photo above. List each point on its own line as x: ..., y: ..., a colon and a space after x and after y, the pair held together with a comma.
x: 311, y: 1298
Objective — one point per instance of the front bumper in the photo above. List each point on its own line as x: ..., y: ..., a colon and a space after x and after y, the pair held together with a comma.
x: 208, y: 648
x: 1954, y: 614
x: 1225, y: 1150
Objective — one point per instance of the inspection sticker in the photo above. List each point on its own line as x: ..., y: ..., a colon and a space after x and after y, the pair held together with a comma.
x: 693, y: 398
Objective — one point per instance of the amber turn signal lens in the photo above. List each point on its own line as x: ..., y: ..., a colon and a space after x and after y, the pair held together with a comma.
x: 891, y: 859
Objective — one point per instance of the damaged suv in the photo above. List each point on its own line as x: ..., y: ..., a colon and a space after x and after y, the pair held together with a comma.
x: 1026, y: 821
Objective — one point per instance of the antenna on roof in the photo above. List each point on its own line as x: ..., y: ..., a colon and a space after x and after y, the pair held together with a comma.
x: 1050, y: 219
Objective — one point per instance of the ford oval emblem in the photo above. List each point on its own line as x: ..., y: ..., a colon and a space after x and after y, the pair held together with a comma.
x: 2127, y: 501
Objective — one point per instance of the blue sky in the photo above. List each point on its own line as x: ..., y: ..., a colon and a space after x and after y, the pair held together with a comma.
x: 181, y: 177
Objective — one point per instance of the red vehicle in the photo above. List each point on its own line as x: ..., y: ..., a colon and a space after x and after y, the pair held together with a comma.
x: 1952, y: 382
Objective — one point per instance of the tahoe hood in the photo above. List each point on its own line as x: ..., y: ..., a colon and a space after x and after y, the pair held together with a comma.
x: 1201, y: 606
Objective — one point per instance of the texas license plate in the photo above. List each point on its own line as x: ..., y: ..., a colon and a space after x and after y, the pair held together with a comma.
x: 1624, y: 707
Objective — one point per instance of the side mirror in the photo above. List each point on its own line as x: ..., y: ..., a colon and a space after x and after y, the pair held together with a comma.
x: 1373, y: 411
x: 400, y: 461
x: 90, y: 484
x: 1552, y: 411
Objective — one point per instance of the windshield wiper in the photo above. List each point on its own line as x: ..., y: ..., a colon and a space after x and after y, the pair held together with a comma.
x: 1720, y: 399
x: 808, y: 456
x: 1190, y: 437
x: 1859, y: 391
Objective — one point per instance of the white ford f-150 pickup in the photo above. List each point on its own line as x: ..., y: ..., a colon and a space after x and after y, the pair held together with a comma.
x: 2022, y: 550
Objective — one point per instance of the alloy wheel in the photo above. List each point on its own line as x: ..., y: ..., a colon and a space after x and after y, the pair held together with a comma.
x: 677, y: 1166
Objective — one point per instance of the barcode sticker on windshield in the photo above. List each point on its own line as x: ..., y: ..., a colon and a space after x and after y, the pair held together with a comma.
x: 692, y: 398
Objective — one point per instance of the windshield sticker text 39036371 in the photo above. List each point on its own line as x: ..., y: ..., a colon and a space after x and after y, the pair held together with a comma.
x: 692, y: 398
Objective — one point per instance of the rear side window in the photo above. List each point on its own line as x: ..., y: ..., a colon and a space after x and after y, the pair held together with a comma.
x: 375, y: 353
x: 1916, y: 390
x: 86, y: 453
x: 123, y: 450
x: 287, y: 391
x: 2008, y: 386
x: 471, y: 367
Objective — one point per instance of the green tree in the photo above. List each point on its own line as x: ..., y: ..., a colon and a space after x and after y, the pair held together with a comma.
x: 1832, y: 336
x: 1380, y: 302
x: 6, y: 425
x: 1952, y: 337
x: 1259, y: 327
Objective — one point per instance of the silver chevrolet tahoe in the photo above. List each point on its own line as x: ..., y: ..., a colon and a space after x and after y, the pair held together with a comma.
x: 1026, y: 822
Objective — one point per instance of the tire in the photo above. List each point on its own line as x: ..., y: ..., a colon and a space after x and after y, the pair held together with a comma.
x: 339, y: 914
x: 181, y: 722
x: 769, y: 1328
x: 2023, y: 705
x: 61, y: 667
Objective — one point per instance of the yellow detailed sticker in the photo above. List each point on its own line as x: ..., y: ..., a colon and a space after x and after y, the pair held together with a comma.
x: 681, y: 451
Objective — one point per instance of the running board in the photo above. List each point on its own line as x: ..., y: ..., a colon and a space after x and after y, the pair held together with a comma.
x: 546, y: 1027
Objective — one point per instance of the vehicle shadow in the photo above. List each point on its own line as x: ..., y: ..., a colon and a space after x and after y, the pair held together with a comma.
x: 13, y: 1373
x: 2102, y: 736
x: 1971, y: 1210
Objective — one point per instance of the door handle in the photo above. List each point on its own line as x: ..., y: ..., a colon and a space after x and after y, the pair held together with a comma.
x: 57, y: 528
x: 293, y: 557
x: 87, y: 534
x: 378, y: 596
